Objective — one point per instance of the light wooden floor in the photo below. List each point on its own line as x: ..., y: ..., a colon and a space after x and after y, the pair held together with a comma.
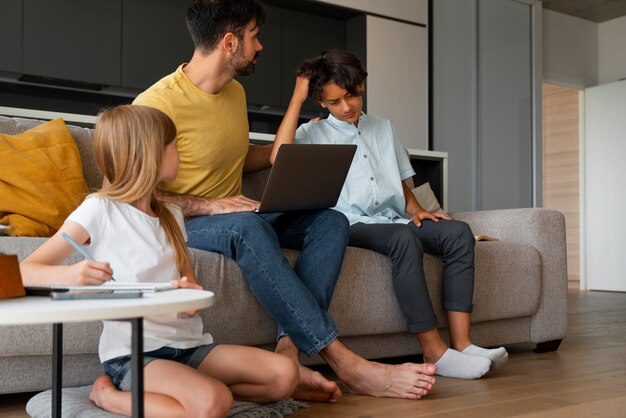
x: 586, y: 377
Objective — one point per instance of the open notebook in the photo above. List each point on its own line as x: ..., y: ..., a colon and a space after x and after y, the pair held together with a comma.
x: 115, y: 286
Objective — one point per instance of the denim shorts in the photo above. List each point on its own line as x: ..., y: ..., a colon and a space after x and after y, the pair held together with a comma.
x: 118, y: 368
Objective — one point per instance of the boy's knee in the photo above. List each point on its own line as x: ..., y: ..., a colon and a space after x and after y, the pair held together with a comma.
x: 404, y: 239
x: 459, y: 232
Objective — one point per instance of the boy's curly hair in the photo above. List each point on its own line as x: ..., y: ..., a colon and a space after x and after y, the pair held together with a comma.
x: 332, y: 66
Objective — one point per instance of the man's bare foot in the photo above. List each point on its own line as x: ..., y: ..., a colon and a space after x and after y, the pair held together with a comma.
x: 312, y: 386
x: 102, y: 389
x: 315, y: 387
x: 408, y: 380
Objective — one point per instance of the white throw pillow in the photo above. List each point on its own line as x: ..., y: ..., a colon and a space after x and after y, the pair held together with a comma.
x: 426, y: 198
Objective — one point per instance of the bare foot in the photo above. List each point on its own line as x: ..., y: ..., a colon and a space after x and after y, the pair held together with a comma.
x: 312, y: 386
x: 102, y: 389
x: 408, y: 380
x: 315, y: 387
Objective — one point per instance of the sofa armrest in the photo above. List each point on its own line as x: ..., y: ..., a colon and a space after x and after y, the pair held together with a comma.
x: 543, y: 229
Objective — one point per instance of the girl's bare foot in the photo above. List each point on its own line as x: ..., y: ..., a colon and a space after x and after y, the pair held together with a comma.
x: 103, y: 389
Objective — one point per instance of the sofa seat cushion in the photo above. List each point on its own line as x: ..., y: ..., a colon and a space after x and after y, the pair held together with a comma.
x: 507, y: 284
x: 364, y: 303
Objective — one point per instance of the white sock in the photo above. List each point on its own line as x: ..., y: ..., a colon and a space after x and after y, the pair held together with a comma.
x: 498, y: 356
x: 462, y: 366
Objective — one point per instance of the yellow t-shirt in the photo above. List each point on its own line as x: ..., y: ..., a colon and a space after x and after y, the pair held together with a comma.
x: 212, y: 134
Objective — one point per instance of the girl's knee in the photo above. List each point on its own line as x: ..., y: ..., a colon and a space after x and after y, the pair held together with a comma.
x: 215, y: 404
x: 284, y: 378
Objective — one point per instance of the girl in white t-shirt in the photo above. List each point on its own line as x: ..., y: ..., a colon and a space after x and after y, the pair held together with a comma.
x: 186, y: 374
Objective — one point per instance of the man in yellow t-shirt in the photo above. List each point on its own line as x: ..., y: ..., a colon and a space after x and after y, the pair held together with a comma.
x: 209, y: 109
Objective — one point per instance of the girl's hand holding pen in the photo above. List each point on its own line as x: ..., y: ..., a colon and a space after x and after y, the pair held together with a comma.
x: 91, y: 273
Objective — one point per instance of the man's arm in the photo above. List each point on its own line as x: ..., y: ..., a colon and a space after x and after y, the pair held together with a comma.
x: 198, y: 206
x: 258, y: 158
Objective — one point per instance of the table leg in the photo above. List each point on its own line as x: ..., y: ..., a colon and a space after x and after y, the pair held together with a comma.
x: 137, y: 367
x: 57, y: 369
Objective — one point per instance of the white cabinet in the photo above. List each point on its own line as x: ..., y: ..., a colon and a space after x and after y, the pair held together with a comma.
x: 409, y: 10
x: 397, y: 82
x: 605, y: 186
x: 352, y: 4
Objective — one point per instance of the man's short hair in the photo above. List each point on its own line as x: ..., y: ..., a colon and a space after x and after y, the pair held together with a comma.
x: 209, y: 20
x: 333, y: 66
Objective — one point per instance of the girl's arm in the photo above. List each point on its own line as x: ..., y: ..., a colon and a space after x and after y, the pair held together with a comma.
x: 287, y: 130
x: 43, y: 266
x: 417, y: 212
x: 188, y: 281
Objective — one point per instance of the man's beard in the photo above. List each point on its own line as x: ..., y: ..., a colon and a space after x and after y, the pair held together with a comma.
x: 241, y: 67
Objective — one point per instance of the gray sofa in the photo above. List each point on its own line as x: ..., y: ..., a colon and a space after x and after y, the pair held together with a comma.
x: 520, y: 294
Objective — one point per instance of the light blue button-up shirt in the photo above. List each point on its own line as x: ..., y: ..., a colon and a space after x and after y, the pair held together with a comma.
x: 372, y: 192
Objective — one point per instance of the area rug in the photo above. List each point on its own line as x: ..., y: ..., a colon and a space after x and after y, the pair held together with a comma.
x: 76, y: 404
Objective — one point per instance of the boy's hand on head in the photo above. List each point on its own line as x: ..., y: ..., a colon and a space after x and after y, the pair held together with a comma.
x: 90, y: 273
x: 301, y: 90
x: 418, y: 217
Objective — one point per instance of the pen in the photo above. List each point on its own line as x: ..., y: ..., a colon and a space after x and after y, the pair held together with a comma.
x: 78, y: 248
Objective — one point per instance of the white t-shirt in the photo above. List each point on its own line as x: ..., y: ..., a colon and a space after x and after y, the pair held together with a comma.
x: 137, y: 248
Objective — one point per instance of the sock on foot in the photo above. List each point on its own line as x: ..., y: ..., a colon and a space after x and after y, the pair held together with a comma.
x: 498, y: 356
x: 462, y: 366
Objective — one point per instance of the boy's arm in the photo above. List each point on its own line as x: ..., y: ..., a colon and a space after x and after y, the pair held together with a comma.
x: 287, y: 131
x: 417, y: 212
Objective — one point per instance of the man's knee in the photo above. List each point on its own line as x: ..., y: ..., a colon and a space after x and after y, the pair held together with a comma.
x: 336, y: 220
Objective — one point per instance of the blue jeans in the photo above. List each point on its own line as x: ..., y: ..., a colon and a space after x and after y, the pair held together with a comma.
x: 118, y: 368
x: 296, y: 298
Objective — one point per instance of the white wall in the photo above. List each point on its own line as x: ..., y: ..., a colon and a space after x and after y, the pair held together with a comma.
x: 605, y: 184
x: 397, y: 81
x: 612, y: 50
x: 570, y: 50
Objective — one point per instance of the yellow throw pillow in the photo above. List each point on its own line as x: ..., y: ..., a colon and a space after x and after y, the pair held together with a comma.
x: 41, y: 179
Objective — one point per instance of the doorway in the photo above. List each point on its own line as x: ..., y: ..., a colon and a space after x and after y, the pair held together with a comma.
x: 561, y: 166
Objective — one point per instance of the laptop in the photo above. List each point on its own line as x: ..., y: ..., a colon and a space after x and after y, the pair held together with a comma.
x: 307, y: 177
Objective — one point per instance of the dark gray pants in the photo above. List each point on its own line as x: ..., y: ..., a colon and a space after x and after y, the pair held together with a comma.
x: 405, y: 245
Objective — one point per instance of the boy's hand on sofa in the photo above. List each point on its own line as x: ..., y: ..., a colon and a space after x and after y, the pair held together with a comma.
x: 422, y: 215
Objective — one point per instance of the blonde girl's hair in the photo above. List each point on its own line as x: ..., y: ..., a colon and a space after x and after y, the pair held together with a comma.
x: 129, y: 144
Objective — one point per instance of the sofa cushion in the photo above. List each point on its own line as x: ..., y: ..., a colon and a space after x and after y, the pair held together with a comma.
x: 506, y: 272
x: 82, y: 136
x: 42, y: 179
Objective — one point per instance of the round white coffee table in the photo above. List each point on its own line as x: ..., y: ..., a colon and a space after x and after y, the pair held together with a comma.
x: 43, y: 310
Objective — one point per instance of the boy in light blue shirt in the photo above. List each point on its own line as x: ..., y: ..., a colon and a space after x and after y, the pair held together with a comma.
x: 376, y: 201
